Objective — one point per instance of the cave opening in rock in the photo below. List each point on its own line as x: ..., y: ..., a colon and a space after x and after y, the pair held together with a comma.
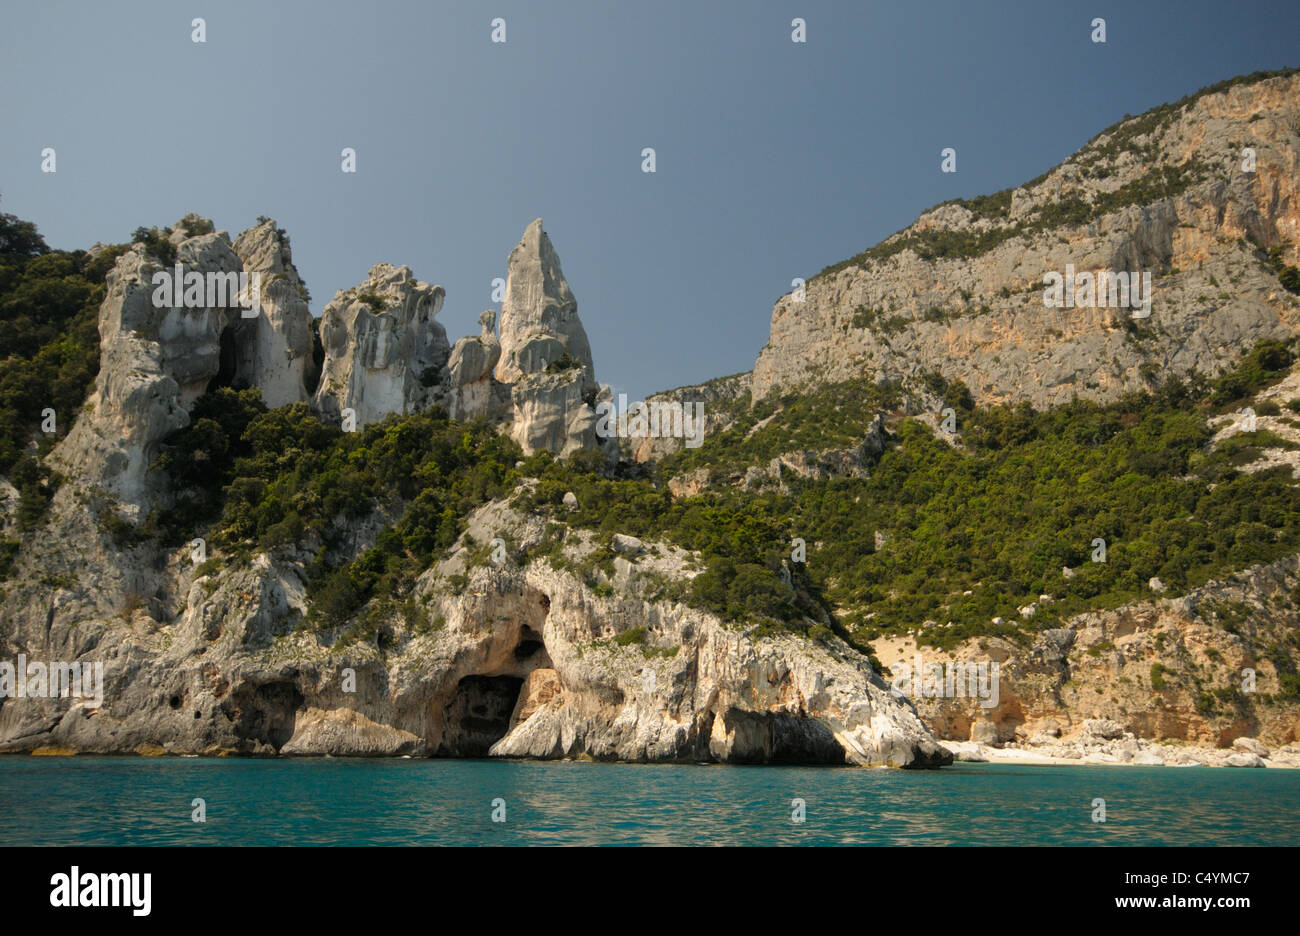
x: 311, y: 374
x: 530, y: 641
x: 264, y: 714
x: 478, y: 716
x: 228, y: 364
x: 515, y: 677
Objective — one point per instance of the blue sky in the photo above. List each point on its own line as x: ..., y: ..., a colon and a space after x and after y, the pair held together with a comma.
x: 774, y: 159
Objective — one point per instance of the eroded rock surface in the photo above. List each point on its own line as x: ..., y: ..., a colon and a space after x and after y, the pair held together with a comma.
x: 536, y: 379
x: 514, y: 660
x: 472, y: 390
x: 979, y: 316
x: 539, y: 316
x: 281, y: 341
x: 1162, y: 670
x: 384, y: 348
x: 157, y: 358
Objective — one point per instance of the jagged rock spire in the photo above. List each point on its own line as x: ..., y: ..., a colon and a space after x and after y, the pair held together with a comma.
x: 384, y: 349
x: 278, y: 343
x: 539, y: 316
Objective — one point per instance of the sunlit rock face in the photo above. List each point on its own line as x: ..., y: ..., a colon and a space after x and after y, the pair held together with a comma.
x: 385, y: 354
x: 944, y: 304
x: 280, y: 343
x: 539, y: 316
x: 472, y: 391
x: 526, y: 661
x: 162, y: 347
x: 384, y: 349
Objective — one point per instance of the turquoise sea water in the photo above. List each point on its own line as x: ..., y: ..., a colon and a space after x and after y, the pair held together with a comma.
x: 147, y: 801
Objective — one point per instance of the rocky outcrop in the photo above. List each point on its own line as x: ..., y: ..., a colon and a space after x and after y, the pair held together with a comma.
x: 384, y: 349
x: 545, y: 356
x: 961, y: 291
x: 385, y: 354
x: 821, y: 465
x: 159, y: 351
x: 519, y: 659
x: 556, y: 412
x: 279, y: 340
x: 539, y: 315
x: 719, y: 400
x: 472, y: 391
x: 1196, y: 670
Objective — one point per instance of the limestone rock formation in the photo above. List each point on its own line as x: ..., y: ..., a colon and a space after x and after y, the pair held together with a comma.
x: 384, y: 352
x: 545, y: 356
x: 1161, y: 669
x: 539, y: 315
x: 555, y: 412
x: 192, y: 225
x: 281, y: 340
x: 521, y: 660
x: 961, y: 291
x: 719, y: 400
x: 157, y: 357
x: 384, y: 349
x: 472, y: 390
x: 537, y: 378
x: 821, y: 465
x: 589, y: 655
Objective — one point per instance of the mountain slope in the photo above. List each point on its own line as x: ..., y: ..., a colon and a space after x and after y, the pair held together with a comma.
x: 961, y: 291
x: 433, y: 581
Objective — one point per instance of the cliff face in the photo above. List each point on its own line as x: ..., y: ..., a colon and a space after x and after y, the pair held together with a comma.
x: 160, y: 352
x: 555, y: 647
x: 1195, y: 669
x: 383, y: 347
x: 512, y: 659
x: 519, y: 657
x: 280, y: 338
x: 961, y: 291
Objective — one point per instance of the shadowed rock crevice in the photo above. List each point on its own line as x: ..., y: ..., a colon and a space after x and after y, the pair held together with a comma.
x: 312, y: 372
x: 529, y: 643
x: 233, y: 343
x: 742, y: 737
x: 479, y: 715
x: 264, y: 715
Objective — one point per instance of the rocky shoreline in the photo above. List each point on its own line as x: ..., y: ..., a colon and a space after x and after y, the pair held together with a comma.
x: 1104, y: 743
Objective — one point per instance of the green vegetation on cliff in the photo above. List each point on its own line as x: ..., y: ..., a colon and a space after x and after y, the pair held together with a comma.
x: 277, y: 479
x: 49, y: 356
x: 974, y: 533
x: 937, y: 533
x: 967, y: 533
x: 49, y: 335
x: 937, y: 243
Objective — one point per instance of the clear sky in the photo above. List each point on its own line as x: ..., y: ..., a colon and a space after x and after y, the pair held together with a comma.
x: 774, y: 159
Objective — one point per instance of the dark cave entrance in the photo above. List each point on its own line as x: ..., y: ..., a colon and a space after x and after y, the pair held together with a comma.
x: 483, y: 707
x: 311, y: 374
x: 479, y: 714
x: 530, y: 641
x: 265, y: 714
x: 228, y: 365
